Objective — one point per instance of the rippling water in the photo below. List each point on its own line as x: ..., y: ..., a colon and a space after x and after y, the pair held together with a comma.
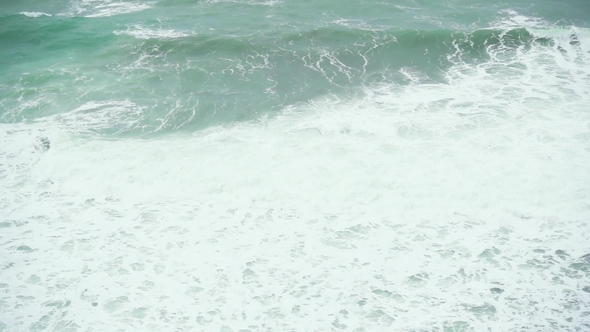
x: 176, y: 165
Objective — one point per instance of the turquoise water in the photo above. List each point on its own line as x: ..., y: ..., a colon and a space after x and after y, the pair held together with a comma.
x: 176, y: 165
x: 197, y: 64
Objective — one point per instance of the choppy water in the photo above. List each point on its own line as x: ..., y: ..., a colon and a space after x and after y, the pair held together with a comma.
x: 281, y: 165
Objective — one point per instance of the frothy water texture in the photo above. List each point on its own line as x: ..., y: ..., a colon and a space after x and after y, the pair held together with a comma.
x: 363, y: 177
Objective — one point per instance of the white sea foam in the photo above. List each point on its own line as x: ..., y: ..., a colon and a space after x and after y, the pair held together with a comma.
x: 114, y: 115
x: 248, y: 2
x: 459, y: 206
x: 35, y: 14
x: 512, y: 19
x: 140, y: 32
x: 105, y: 8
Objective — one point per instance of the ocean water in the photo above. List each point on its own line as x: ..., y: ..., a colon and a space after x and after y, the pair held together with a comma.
x: 294, y: 165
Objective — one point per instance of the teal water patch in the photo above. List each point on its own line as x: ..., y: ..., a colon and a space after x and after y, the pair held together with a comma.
x: 170, y: 80
x: 183, y: 65
x: 29, y: 39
